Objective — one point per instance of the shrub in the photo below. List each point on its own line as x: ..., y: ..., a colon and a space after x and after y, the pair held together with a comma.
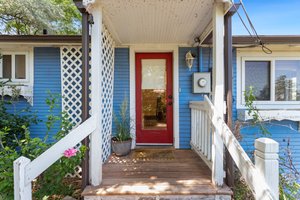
x: 123, y: 123
x: 15, y: 141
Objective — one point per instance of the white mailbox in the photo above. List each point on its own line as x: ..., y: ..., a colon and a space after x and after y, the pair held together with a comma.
x: 201, y: 82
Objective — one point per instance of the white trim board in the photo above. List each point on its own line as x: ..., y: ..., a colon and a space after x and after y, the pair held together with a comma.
x: 155, y: 48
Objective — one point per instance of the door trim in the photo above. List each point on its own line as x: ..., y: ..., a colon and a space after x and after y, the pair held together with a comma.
x: 159, y: 48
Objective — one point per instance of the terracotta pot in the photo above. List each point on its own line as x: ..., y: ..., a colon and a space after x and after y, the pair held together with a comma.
x: 121, y: 148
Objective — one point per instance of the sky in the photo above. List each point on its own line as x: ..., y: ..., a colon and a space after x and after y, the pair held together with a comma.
x: 270, y: 17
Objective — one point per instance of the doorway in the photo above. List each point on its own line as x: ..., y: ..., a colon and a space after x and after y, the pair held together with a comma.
x: 154, y: 98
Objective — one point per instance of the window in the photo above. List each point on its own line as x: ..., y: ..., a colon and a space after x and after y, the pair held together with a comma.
x: 14, y: 66
x: 275, y: 79
x: 287, y: 80
x: 257, y: 76
x: 17, y: 66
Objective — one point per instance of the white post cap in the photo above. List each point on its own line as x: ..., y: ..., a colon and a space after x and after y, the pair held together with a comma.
x: 266, y: 145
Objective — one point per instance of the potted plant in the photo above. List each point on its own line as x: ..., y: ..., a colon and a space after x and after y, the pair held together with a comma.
x: 122, y: 140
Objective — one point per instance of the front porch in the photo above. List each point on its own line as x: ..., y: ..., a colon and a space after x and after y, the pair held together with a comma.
x: 184, y: 174
x: 156, y: 173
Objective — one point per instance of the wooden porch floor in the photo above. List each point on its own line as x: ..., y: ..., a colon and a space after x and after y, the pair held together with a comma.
x: 162, y: 172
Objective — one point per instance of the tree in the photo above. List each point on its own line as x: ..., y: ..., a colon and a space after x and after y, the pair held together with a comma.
x: 70, y: 23
x: 32, y: 16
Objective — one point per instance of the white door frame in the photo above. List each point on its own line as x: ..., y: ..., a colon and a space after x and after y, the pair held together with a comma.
x: 153, y: 48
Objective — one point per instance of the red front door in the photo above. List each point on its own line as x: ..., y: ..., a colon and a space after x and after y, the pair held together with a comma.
x: 154, y: 98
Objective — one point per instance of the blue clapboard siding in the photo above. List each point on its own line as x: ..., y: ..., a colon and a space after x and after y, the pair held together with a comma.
x: 201, y: 64
x: 47, y: 77
x: 18, y: 107
x: 284, y: 132
x: 121, y: 79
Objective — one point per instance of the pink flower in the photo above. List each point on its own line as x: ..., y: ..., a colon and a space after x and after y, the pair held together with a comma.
x: 70, y: 152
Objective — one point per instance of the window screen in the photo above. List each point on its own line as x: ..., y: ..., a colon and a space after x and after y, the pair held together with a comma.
x: 257, y: 75
x: 6, y: 66
x: 20, y: 67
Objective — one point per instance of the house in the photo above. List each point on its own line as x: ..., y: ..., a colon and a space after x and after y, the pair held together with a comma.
x: 167, y: 102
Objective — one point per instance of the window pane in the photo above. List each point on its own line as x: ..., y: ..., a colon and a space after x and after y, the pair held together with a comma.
x: 6, y: 70
x: 257, y: 75
x: 154, y: 79
x: 20, y: 64
x: 287, y: 77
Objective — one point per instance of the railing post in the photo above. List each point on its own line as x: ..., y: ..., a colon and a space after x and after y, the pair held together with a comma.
x: 22, y: 188
x: 266, y: 162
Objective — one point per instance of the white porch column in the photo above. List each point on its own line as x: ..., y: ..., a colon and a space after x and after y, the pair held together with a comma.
x: 218, y: 89
x: 96, y: 91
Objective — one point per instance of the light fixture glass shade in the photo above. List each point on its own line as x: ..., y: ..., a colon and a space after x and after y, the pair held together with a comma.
x: 189, y: 59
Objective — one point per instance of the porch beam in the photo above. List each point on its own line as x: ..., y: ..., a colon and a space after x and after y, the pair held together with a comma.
x: 206, y: 33
x: 218, y: 90
x: 95, y: 164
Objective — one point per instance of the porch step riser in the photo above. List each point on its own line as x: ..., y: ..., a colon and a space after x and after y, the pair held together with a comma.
x: 162, y: 197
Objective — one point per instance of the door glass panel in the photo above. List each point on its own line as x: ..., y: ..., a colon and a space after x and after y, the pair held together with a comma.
x: 6, y: 63
x: 154, y: 82
x: 20, y: 67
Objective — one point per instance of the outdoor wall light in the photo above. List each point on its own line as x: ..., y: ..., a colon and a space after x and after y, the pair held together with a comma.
x: 189, y: 59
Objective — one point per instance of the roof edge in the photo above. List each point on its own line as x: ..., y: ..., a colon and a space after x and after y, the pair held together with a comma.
x: 65, y: 39
x: 41, y: 38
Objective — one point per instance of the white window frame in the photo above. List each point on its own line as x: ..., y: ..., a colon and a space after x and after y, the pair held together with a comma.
x: 28, y: 67
x: 243, y: 56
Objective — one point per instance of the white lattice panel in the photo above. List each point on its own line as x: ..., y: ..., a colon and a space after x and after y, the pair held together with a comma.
x: 77, y: 172
x: 71, y: 82
x: 107, y: 90
x: 71, y: 88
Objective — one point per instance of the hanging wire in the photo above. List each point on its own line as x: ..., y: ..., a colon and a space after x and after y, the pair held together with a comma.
x: 257, y: 39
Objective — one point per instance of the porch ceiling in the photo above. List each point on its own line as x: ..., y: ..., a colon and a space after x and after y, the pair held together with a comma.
x: 156, y: 21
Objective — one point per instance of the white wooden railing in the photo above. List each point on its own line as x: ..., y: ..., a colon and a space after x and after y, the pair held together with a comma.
x: 207, y: 123
x: 25, y: 171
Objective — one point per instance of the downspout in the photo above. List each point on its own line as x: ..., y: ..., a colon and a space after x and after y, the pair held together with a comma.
x: 228, y: 89
x: 85, y: 40
x: 85, y: 89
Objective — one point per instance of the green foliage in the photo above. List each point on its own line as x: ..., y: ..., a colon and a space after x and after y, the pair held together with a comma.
x: 32, y: 16
x: 12, y: 146
x: 241, y: 189
x: 52, y: 102
x: 58, y: 170
x: 123, y: 123
x: 28, y: 147
x: 14, y: 122
x: 70, y: 23
x: 7, y: 156
x: 253, y: 111
x: 288, y: 187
